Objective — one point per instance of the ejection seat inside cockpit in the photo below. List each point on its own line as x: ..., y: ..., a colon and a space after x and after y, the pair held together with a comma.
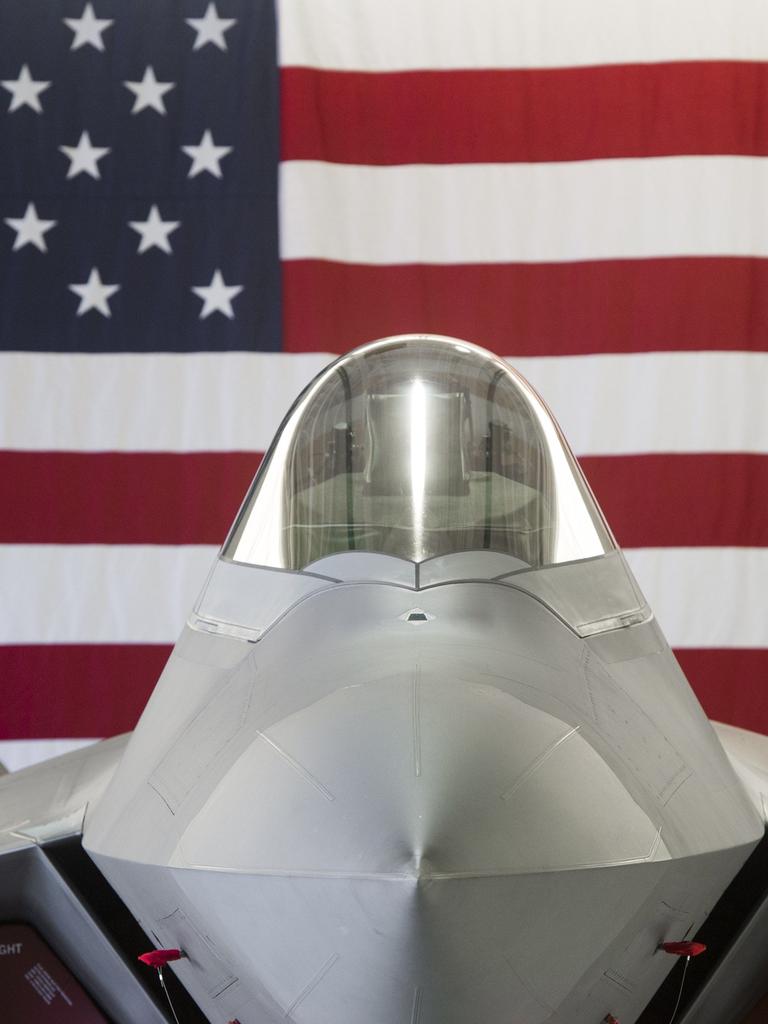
x: 447, y: 429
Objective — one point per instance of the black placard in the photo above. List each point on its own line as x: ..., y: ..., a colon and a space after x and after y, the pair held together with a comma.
x: 35, y: 984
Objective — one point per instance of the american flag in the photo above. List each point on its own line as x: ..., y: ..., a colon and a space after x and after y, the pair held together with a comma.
x: 201, y: 201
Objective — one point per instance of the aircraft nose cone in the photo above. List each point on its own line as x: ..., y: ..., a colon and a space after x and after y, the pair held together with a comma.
x: 419, y: 777
x: 402, y: 850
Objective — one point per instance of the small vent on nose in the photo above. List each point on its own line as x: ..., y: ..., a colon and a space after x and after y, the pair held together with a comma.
x: 416, y: 615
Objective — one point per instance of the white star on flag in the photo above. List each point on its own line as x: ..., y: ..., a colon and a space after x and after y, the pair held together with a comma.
x: 217, y: 296
x: 30, y: 229
x: 206, y: 156
x: 211, y: 28
x: 25, y: 91
x: 88, y: 28
x: 154, y: 231
x: 149, y: 92
x: 84, y: 157
x: 94, y: 294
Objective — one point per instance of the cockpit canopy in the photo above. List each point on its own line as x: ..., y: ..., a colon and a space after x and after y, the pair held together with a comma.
x: 418, y: 446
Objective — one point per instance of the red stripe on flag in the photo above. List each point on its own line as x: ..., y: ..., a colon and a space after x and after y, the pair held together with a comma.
x: 714, y: 500
x: 55, y: 691
x: 77, y: 498
x: 52, y: 691
x: 122, y: 498
x: 730, y: 683
x: 524, y: 115
x: 533, y: 309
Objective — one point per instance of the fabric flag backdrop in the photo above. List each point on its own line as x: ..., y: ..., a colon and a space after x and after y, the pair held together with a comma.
x: 201, y: 201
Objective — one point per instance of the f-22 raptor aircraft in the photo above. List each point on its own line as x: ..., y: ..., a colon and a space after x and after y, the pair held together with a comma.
x: 421, y: 754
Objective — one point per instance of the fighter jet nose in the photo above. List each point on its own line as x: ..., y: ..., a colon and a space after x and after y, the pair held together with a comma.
x: 397, y: 836
x: 412, y: 757
x: 418, y: 777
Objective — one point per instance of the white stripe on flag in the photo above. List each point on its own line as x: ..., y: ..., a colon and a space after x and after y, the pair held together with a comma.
x: 154, y: 402
x: 370, y: 35
x: 18, y: 754
x: 606, y: 404
x: 525, y: 213
x: 656, y: 402
x: 703, y: 597
x: 96, y: 594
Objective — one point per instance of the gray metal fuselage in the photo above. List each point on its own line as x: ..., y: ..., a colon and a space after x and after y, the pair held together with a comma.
x: 421, y: 800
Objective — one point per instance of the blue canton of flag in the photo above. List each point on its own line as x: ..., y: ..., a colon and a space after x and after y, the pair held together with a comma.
x: 138, y: 176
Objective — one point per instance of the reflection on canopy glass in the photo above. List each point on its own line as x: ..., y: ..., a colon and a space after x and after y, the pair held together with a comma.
x: 417, y: 447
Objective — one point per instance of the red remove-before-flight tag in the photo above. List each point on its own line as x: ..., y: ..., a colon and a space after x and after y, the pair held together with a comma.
x: 683, y: 948
x: 35, y: 984
x: 160, y: 957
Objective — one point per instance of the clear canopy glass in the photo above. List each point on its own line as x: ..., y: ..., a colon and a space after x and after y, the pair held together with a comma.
x: 418, y: 446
